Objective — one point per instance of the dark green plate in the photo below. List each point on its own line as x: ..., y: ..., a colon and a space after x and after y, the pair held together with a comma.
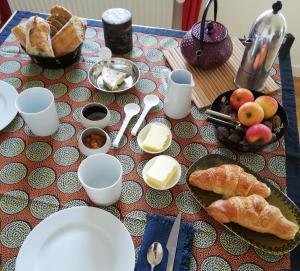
x: 266, y: 242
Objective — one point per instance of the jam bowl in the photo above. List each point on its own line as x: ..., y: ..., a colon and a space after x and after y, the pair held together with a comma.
x: 94, y: 140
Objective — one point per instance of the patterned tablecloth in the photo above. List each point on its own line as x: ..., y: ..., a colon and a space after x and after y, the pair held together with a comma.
x: 38, y: 174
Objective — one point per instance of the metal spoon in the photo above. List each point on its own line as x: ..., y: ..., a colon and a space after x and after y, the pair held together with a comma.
x: 130, y: 110
x: 154, y: 254
x: 149, y: 102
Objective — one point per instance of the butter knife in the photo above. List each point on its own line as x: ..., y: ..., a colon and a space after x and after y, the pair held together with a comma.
x: 172, y: 242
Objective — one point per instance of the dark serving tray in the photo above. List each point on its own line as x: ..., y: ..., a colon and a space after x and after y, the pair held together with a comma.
x: 266, y: 242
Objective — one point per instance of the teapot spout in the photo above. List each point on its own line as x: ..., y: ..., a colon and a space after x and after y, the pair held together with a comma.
x: 248, y: 42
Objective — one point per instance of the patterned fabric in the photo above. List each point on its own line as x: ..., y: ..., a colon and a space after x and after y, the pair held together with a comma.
x: 38, y: 175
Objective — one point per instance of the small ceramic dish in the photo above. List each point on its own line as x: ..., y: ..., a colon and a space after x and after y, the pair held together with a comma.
x: 171, y: 183
x: 119, y: 64
x: 86, y: 150
x: 95, y: 115
x: 143, y: 133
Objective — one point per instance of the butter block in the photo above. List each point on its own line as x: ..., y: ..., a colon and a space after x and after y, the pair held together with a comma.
x: 112, y: 78
x: 161, y: 171
x: 156, y: 138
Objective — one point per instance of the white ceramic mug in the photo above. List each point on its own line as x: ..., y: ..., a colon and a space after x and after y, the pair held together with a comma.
x: 101, y: 177
x: 179, y: 85
x: 37, y: 107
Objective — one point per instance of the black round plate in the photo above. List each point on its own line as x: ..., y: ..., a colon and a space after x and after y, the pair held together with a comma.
x: 216, y: 106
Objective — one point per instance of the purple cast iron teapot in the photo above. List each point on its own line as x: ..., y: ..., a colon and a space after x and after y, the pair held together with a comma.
x: 207, y: 45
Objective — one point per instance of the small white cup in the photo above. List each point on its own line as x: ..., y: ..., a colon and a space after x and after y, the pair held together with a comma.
x: 101, y: 177
x: 93, y: 110
x: 37, y: 107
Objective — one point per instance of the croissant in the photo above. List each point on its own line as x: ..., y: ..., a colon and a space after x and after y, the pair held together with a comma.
x: 229, y: 180
x: 255, y: 213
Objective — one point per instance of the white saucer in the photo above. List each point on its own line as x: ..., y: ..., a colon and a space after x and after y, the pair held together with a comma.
x: 77, y: 239
x: 8, y: 110
x: 171, y: 183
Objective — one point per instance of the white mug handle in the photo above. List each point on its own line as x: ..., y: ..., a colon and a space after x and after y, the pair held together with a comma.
x: 165, y: 73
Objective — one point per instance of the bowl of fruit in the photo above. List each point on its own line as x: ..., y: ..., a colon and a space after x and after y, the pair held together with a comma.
x: 247, y: 120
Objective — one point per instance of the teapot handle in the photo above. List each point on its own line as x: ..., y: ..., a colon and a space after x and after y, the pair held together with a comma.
x: 209, y: 25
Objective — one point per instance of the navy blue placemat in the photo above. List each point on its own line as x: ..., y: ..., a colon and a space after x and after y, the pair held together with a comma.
x: 158, y: 229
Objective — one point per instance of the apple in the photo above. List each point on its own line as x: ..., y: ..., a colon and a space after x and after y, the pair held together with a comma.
x: 250, y: 113
x: 239, y: 97
x: 268, y: 104
x: 258, y: 133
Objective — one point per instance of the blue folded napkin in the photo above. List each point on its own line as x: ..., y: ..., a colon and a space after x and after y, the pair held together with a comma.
x: 158, y: 229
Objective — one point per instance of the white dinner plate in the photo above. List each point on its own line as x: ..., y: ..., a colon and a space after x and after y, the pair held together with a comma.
x: 8, y: 110
x: 78, y: 239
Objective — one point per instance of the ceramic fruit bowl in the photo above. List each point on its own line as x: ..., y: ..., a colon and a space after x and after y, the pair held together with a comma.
x: 235, y: 138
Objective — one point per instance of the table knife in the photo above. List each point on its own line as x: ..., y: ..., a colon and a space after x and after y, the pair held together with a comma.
x: 172, y: 242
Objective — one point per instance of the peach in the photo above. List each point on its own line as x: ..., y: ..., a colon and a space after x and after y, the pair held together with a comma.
x: 239, y: 97
x: 268, y: 104
x: 259, y: 133
x: 250, y: 113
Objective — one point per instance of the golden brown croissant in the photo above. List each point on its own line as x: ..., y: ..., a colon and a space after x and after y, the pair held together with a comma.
x: 229, y: 180
x: 255, y: 213
x: 38, y: 41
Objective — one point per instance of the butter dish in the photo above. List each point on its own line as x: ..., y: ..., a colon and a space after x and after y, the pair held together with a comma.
x: 155, y: 138
x: 168, y: 170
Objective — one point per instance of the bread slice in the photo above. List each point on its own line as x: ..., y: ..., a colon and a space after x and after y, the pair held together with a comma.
x: 69, y: 37
x: 53, y: 30
x: 54, y: 22
x: 20, y: 34
x: 38, y: 40
x: 61, y: 12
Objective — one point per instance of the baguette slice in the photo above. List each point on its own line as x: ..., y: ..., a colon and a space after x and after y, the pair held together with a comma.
x: 54, y: 24
x: 69, y: 37
x: 20, y: 33
x: 61, y: 12
x: 38, y: 40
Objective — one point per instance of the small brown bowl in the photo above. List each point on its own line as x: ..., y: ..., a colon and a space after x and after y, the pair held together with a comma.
x: 223, y: 100
x: 57, y: 62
